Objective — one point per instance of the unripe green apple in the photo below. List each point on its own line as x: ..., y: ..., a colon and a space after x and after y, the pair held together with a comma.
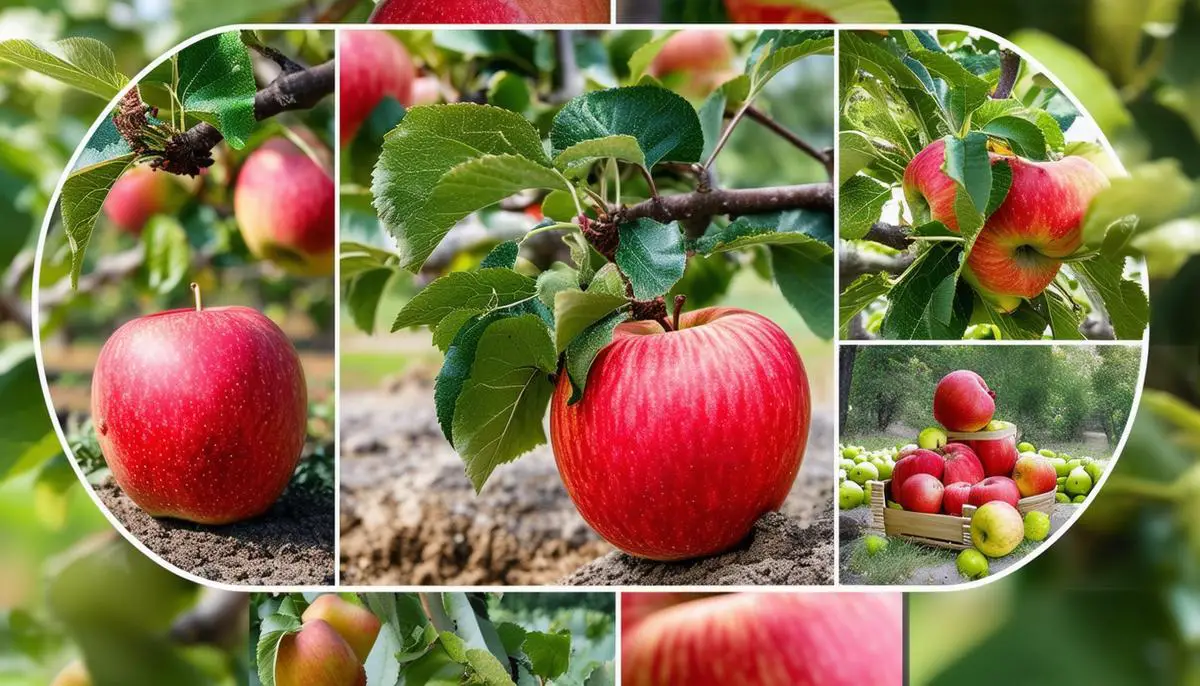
x: 284, y: 205
x: 1062, y: 498
x: 846, y: 464
x: 1079, y: 499
x: 1046, y: 452
x: 1078, y: 482
x: 1037, y: 525
x: 356, y: 625
x: 74, y: 674
x: 372, y: 65
x: 850, y: 452
x: 932, y: 438
x: 972, y: 564
x: 317, y: 656
x: 1019, y: 251
x: 850, y: 495
x: 139, y: 194
x: 1026, y: 447
x: 876, y: 544
x: 863, y: 472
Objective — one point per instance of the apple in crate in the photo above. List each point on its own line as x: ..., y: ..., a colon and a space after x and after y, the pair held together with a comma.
x: 961, y: 464
x: 954, y: 497
x: 921, y: 493
x: 1034, y: 475
x: 917, y: 462
x: 963, y: 402
x: 997, y: 528
x: 994, y: 488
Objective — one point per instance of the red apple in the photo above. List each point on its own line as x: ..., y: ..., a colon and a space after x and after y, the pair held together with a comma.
x: 372, y: 65
x: 1034, y: 475
x: 994, y: 488
x: 317, y: 656
x: 139, y: 194
x: 962, y: 401
x: 491, y: 12
x: 955, y: 496
x: 284, y: 205
x: 702, y: 58
x: 636, y: 607
x: 921, y: 493
x: 961, y: 464
x: 758, y: 12
x: 357, y: 626
x: 919, y: 461
x: 997, y: 455
x: 683, y: 439
x: 1020, y: 248
x: 200, y: 413
x: 831, y: 639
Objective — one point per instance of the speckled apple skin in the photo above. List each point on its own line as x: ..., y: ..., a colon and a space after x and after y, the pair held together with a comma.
x: 491, y: 12
x: 684, y: 439
x: 317, y: 656
x: 372, y: 65
x: 1017, y: 253
x: 137, y: 196
x: 284, y: 205
x: 200, y: 414
x: 755, y: 12
x: 770, y: 639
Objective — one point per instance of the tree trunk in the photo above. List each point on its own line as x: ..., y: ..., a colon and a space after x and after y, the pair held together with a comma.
x: 845, y: 374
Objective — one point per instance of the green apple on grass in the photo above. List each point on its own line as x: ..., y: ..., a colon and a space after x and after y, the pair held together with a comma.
x: 972, y: 564
x: 876, y: 544
x: 850, y: 495
x: 1037, y: 525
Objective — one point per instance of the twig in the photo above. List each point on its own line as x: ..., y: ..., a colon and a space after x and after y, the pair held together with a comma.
x: 733, y: 202
x: 1010, y: 66
x: 733, y: 122
x: 286, y: 64
x: 891, y: 235
x: 855, y: 263
x: 109, y: 269
x: 337, y: 12
x: 825, y: 157
x: 219, y: 619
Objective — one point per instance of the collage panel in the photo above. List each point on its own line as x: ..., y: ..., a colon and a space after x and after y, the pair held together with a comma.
x: 961, y: 462
x: 616, y: 267
x: 185, y: 302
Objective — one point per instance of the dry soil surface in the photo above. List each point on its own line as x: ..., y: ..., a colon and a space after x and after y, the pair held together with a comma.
x: 292, y: 544
x: 410, y: 516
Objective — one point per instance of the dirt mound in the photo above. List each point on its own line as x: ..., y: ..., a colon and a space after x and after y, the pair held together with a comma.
x: 292, y: 544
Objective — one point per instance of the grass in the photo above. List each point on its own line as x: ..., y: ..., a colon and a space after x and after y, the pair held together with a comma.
x: 896, y: 563
x: 363, y: 370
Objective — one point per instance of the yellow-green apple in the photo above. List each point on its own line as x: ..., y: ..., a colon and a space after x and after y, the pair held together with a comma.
x: 74, y: 674
x: 850, y: 452
x: 994, y: 488
x: 1079, y: 498
x: 1026, y: 447
x: 876, y: 544
x: 140, y: 193
x: 1046, y: 452
x: 931, y: 438
x: 1094, y: 469
x: 720, y: 641
x: 372, y: 66
x: 972, y: 564
x: 1034, y: 475
x: 284, y: 205
x: 883, y: 466
x: 355, y: 624
x: 699, y: 59
x: 774, y: 12
x: 1019, y: 251
x: 850, y: 495
x: 997, y: 528
x: 684, y: 438
x: 955, y: 496
x: 317, y: 656
x: 200, y: 413
x: 490, y: 12
x: 863, y: 472
x: 921, y: 493
x: 1079, y: 482
x: 917, y: 462
x: 963, y: 402
x: 1061, y: 468
x: 961, y: 464
x: 1037, y: 525
x: 1062, y: 498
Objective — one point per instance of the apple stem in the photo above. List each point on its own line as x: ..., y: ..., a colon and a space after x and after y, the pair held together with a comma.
x: 679, y: 300
x: 196, y: 292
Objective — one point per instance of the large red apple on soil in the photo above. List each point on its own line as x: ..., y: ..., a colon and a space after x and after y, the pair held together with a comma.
x: 961, y: 465
x: 777, y: 12
x: 1020, y: 249
x: 1034, y: 475
x: 372, y: 65
x: 770, y: 639
x: 994, y: 488
x: 921, y: 493
x: 491, y: 12
x: 683, y: 439
x: 919, y: 461
x: 962, y: 401
x: 284, y: 205
x: 200, y: 413
x: 137, y: 196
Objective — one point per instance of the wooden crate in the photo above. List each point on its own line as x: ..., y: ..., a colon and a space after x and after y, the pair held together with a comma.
x: 937, y: 530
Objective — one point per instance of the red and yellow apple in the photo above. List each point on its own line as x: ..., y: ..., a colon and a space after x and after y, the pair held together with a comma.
x: 200, y: 413
x: 919, y: 461
x: 684, y: 438
x: 284, y: 205
x: 955, y: 496
x: 701, y: 59
x: 921, y: 493
x: 357, y: 626
x: 1034, y: 475
x: 774, y: 12
x: 994, y: 488
x: 961, y: 465
x: 769, y: 639
x: 317, y: 656
x: 372, y: 65
x: 74, y: 674
x: 1020, y: 248
x: 963, y: 402
x: 139, y: 194
x: 491, y: 12
x: 997, y: 528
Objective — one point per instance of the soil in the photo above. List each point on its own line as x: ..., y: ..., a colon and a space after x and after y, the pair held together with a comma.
x: 853, y: 525
x: 290, y: 545
x: 409, y: 516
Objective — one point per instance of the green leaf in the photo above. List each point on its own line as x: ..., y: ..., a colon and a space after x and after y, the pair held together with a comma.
x: 429, y: 143
x: 582, y: 351
x: 804, y: 273
x: 860, y: 205
x: 362, y: 297
x: 643, y: 57
x: 865, y: 290
x: 168, y: 257
x: 578, y: 158
x: 448, y: 328
x: 498, y: 416
x: 663, y: 122
x: 1156, y: 192
x: 1124, y: 300
x: 503, y: 255
x: 1023, y: 136
x: 1064, y: 318
x: 216, y: 83
x: 510, y: 91
x: 559, y: 277
x: 968, y: 164
x: 929, y: 285
x: 488, y: 670
x: 651, y: 255
x: 967, y: 92
x: 778, y: 48
x: 549, y: 653
x: 1087, y: 81
x: 777, y: 228
x: 576, y: 310
x: 876, y: 60
x: 83, y: 63
x: 478, y: 291
x: 83, y: 195
x: 1001, y: 182
x: 581, y: 256
x: 1024, y: 324
x: 27, y: 439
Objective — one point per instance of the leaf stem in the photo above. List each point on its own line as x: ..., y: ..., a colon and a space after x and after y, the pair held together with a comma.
x: 556, y: 226
x: 733, y: 122
x: 571, y: 190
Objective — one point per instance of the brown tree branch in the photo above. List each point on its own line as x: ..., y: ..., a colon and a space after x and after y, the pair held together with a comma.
x: 825, y: 157
x: 855, y: 263
x: 1010, y: 66
x: 732, y: 202
x: 109, y: 269
x: 891, y: 235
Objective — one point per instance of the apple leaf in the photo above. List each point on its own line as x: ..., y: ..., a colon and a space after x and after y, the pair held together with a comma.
x: 865, y: 290
x: 576, y: 310
x: 968, y: 164
x: 1001, y: 183
x: 967, y: 92
x: 447, y: 329
x: 1156, y: 192
x: 664, y: 124
x: 652, y: 255
x: 480, y: 290
x: 856, y: 153
x: 362, y: 295
x: 927, y: 291
x: 549, y: 653
x: 582, y: 351
x: 83, y: 63
x: 1124, y: 300
x: 503, y: 255
x: 27, y: 440
x: 804, y: 274
x: 776, y: 228
x: 1022, y: 135
x: 581, y: 256
x: 498, y: 416
x: 83, y: 195
x: 428, y: 144
x: 778, y: 48
x: 1064, y: 318
x: 578, y: 159
x: 860, y: 204
x: 168, y: 257
x: 1024, y: 324
x: 643, y: 57
x: 216, y: 84
x: 487, y: 669
x: 875, y: 59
